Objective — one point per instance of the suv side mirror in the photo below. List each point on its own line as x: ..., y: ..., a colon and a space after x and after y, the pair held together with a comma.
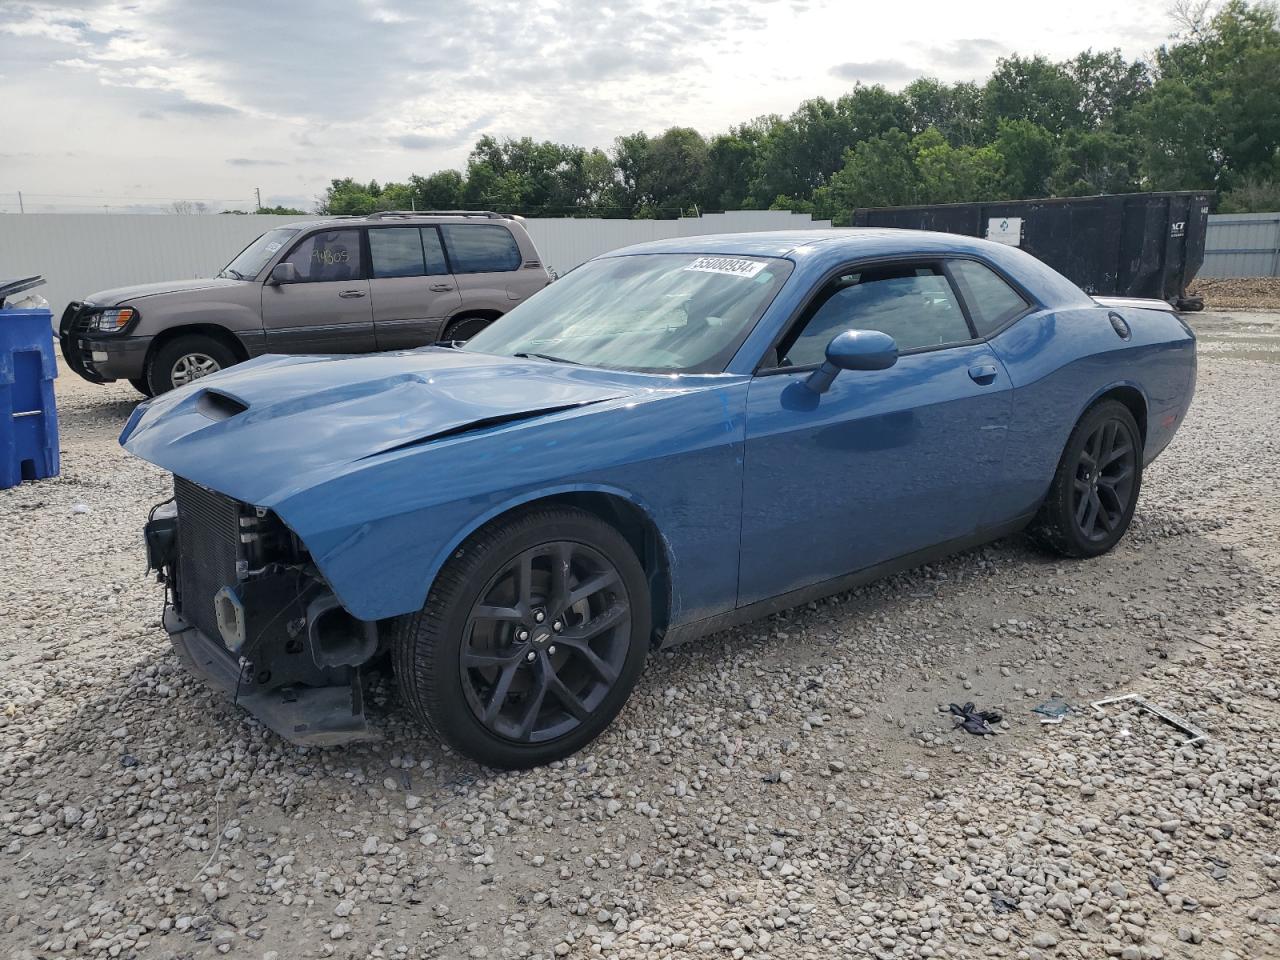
x: 283, y: 273
x: 854, y: 350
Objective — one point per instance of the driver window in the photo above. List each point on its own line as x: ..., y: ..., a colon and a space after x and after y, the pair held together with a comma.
x: 912, y: 303
x: 333, y: 255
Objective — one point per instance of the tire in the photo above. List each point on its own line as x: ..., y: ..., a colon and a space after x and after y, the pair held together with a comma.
x: 142, y: 386
x: 464, y: 328
x: 1090, y: 504
x: 202, y: 354
x: 505, y: 690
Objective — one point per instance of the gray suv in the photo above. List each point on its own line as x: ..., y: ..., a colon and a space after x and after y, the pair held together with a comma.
x: 387, y: 281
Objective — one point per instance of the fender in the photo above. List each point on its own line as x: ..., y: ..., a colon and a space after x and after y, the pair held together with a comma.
x: 527, y: 499
x: 1116, y: 385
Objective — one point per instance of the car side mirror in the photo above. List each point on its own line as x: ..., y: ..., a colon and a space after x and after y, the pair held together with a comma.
x: 854, y: 350
x: 283, y: 273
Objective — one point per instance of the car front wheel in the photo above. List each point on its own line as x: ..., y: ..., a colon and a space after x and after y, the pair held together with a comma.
x: 530, y: 641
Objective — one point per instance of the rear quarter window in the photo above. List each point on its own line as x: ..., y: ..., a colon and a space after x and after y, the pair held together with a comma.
x: 480, y: 248
x: 991, y: 301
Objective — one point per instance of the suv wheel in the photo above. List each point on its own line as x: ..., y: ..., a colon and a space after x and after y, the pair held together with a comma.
x: 185, y: 359
x: 464, y: 328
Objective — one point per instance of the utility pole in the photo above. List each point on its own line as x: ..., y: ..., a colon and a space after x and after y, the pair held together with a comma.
x: 21, y: 208
x: 257, y: 192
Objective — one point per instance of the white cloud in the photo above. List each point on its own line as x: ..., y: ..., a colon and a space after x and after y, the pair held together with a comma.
x: 184, y: 98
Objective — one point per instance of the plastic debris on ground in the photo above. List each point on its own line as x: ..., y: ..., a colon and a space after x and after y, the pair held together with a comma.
x: 1053, y: 710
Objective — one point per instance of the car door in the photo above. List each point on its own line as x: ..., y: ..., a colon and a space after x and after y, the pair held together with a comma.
x: 885, y: 463
x: 412, y: 290
x: 327, y: 308
x: 485, y: 260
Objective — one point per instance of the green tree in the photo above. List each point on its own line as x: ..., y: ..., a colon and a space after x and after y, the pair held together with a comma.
x: 879, y: 172
x: 1109, y: 86
x: 1095, y: 161
x: 1030, y: 155
x: 732, y: 161
x: 1034, y: 89
x: 948, y: 174
x: 661, y: 177
x: 1211, y: 117
x: 1252, y: 196
x: 801, y: 153
x: 954, y: 110
x: 442, y: 190
x: 347, y: 196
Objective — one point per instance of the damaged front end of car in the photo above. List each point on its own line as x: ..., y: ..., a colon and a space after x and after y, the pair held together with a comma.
x: 248, y: 610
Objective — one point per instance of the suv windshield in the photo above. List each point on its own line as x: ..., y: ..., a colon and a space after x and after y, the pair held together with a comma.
x: 668, y: 313
x: 250, y: 261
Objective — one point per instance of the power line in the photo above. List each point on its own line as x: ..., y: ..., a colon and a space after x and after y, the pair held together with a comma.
x: 127, y: 196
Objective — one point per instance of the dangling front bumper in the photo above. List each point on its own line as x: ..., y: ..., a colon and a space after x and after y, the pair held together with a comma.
x: 252, y: 616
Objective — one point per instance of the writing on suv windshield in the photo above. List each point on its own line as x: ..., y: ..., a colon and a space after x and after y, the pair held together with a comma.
x: 677, y: 313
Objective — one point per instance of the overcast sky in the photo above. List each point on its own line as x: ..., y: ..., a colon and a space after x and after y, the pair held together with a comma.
x: 134, y: 104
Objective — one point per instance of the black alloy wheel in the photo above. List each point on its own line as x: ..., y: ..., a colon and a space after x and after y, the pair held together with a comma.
x: 545, y: 642
x: 1105, y: 474
x: 531, y: 639
x: 1095, y: 489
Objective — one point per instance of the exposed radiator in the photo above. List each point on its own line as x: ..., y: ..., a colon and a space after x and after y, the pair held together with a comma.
x: 208, y: 548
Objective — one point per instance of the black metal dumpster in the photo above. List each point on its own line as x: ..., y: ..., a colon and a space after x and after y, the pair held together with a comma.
x: 1124, y: 244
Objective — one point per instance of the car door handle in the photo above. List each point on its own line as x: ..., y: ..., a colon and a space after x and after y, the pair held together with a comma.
x: 984, y: 373
x: 351, y: 294
x: 441, y: 287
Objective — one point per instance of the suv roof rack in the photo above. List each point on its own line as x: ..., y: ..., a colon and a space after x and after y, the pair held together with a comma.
x: 487, y: 214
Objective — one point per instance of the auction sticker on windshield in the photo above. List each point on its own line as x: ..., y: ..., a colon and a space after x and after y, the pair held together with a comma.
x: 733, y: 266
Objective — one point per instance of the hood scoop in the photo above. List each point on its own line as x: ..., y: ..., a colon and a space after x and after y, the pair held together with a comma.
x: 217, y: 405
x: 475, y: 426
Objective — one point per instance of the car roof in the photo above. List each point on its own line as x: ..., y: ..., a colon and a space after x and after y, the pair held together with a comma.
x: 406, y: 216
x: 815, y: 251
x: 857, y: 241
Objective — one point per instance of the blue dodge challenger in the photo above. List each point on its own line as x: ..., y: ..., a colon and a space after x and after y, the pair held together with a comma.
x: 673, y: 438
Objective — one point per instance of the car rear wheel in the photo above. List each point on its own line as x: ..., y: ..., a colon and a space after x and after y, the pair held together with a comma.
x: 141, y: 385
x: 464, y: 328
x: 530, y: 641
x: 185, y: 359
x: 1095, y: 489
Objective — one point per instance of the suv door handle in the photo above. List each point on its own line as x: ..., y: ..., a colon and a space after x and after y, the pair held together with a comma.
x: 983, y: 374
x: 441, y: 287
x: 351, y: 294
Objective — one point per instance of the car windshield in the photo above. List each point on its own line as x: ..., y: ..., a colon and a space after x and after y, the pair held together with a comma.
x: 250, y: 261
x: 668, y: 313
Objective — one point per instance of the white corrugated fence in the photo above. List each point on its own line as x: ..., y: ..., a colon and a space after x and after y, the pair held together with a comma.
x: 1242, y: 245
x: 81, y: 253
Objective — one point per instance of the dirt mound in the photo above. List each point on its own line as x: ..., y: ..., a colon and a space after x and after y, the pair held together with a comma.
x: 1238, y: 293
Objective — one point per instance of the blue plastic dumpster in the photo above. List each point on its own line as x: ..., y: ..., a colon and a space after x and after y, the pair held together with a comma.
x: 28, y: 416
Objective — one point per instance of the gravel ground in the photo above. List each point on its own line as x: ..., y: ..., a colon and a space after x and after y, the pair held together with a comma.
x: 792, y: 789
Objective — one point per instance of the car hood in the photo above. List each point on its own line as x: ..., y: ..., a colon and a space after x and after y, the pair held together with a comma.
x: 266, y: 429
x: 139, y: 291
